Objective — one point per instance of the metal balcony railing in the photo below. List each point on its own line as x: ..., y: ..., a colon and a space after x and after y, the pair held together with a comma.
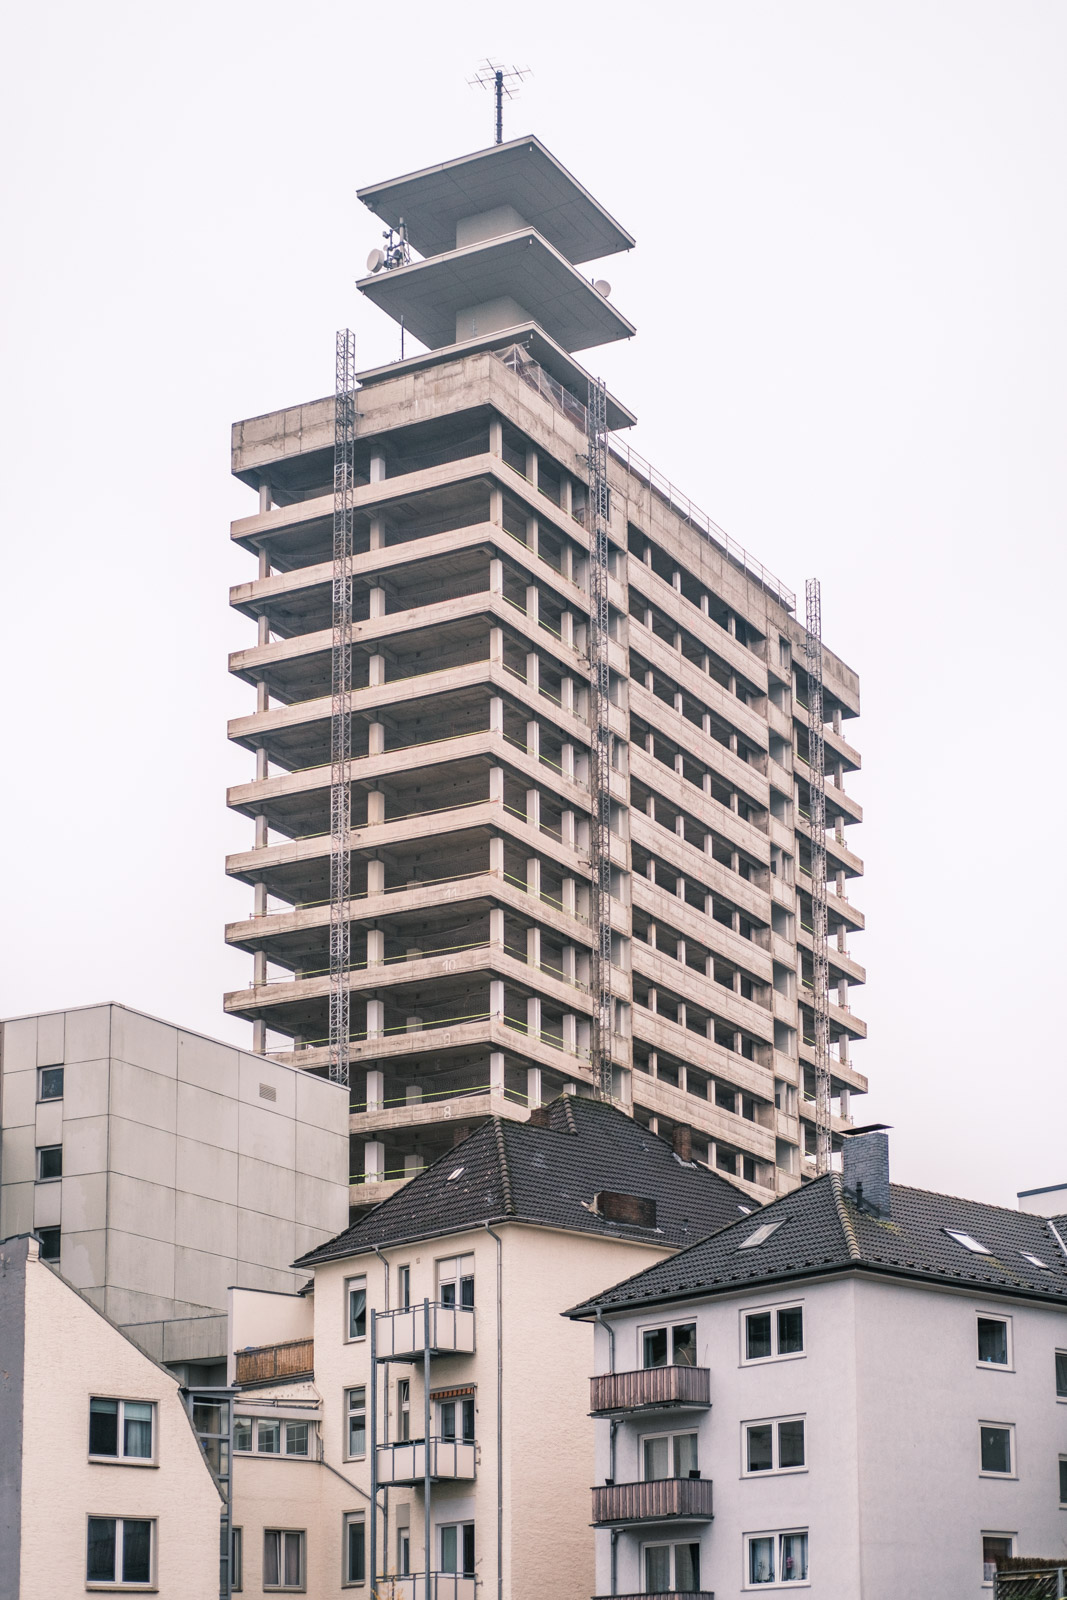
x: 662, y: 1594
x: 438, y: 1586
x: 653, y: 1500
x: 295, y: 1359
x: 404, y: 1461
x: 650, y: 1388
x: 405, y: 1334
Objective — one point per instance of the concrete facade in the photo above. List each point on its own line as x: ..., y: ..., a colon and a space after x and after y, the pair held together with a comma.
x: 471, y: 800
x: 184, y: 1166
x: 52, y: 1486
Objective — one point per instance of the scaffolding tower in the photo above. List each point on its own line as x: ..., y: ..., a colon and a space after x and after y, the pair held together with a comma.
x: 817, y: 808
x: 344, y: 483
x: 599, y: 511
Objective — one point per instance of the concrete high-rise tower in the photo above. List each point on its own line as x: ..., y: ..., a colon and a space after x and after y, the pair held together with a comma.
x: 470, y: 935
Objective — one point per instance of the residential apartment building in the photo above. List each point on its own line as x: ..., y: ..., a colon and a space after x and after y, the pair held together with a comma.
x: 158, y: 1167
x: 428, y: 1369
x: 103, y: 1485
x: 865, y: 1385
x: 470, y: 857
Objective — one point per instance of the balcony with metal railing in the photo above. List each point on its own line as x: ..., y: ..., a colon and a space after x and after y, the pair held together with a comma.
x: 650, y: 1389
x: 404, y: 1461
x: 620, y: 1505
x: 420, y: 1586
x: 410, y: 1332
x: 661, y: 1594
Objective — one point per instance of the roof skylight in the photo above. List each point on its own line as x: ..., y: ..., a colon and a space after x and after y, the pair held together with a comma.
x: 968, y: 1242
x: 1035, y: 1261
x: 761, y: 1235
x: 456, y: 1173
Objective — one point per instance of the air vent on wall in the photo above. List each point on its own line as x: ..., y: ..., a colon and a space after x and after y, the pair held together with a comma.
x: 267, y: 1091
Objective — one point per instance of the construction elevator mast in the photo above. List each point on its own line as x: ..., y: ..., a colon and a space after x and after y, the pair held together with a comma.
x: 817, y: 807
x: 600, y: 740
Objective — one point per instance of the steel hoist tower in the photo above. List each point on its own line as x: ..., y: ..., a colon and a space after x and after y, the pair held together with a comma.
x: 600, y: 1055
x: 817, y: 806
x: 344, y: 484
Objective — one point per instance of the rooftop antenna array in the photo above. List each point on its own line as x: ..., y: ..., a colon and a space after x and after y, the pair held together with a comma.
x: 817, y: 789
x: 344, y: 484
x: 599, y: 513
x: 503, y: 81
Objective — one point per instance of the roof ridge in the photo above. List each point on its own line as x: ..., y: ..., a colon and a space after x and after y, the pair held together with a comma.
x: 505, y: 1171
x: 848, y: 1226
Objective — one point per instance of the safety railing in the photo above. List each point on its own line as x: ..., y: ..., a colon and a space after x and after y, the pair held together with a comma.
x: 295, y: 1358
x: 649, y: 1388
x: 656, y: 1500
x: 404, y: 1461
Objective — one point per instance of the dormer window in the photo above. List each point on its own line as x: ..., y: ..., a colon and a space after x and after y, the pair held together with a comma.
x: 968, y: 1242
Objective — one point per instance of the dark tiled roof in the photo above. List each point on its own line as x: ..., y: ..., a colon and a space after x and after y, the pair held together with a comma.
x: 523, y: 1172
x: 822, y: 1230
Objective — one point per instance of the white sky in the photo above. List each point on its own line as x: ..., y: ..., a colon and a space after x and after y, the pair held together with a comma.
x: 848, y: 289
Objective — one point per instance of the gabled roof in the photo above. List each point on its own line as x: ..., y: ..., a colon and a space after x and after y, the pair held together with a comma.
x: 820, y: 1230
x: 548, y: 1174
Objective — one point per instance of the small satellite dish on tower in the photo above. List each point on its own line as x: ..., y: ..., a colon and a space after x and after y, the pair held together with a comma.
x: 376, y: 261
x: 602, y: 286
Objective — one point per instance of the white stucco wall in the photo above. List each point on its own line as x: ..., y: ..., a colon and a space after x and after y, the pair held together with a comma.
x: 72, y: 1354
x: 892, y: 1395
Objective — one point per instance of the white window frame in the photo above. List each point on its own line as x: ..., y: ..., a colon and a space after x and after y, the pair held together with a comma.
x: 347, y: 1581
x: 42, y: 1099
x: 450, y: 1269
x: 665, y: 1544
x: 1009, y: 1427
x: 354, y: 1411
x: 403, y: 1552
x: 995, y: 1533
x: 459, y: 1525
x: 667, y: 1328
x: 995, y: 1366
x: 117, y: 1582
x: 670, y: 1434
x: 282, y: 1454
x: 458, y: 1402
x: 772, y: 1310
x: 1061, y: 1399
x: 774, y: 1470
x: 359, y: 1280
x: 403, y: 1286
x: 42, y: 1149
x: 285, y: 1588
x: 778, y: 1581
x: 120, y: 1458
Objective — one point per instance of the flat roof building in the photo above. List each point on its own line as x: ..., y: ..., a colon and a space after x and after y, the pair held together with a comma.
x: 472, y: 945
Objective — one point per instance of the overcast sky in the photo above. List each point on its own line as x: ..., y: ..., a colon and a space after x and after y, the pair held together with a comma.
x: 849, y: 295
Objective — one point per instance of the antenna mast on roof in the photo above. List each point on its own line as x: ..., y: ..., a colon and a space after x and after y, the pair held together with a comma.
x: 598, y: 514
x: 344, y: 484
x: 503, y: 81
x: 820, y: 975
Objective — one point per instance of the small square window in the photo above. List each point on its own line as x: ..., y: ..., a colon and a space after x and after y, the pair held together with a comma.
x: 768, y: 1335
x: 776, y: 1558
x: 121, y: 1430
x: 50, y: 1083
x: 776, y: 1445
x: 51, y: 1241
x: 993, y: 1341
x: 49, y: 1162
x: 996, y: 1451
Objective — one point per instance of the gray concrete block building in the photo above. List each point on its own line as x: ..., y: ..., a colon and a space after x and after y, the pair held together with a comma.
x: 471, y: 802
x: 159, y: 1168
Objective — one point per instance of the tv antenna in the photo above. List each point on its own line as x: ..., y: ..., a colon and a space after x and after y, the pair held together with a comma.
x: 503, y: 81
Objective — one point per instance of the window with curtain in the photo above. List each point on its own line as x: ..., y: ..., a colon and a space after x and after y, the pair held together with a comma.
x: 119, y: 1551
x: 777, y: 1558
x: 355, y: 1548
x: 456, y: 1419
x: 669, y: 1455
x: 671, y: 1567
x: 356, y: 1413
x: 356, y: 1294
x: 996, y: 1549
x: 283, y: 1558
x: 776, y: 1445
x: 121, y: 1429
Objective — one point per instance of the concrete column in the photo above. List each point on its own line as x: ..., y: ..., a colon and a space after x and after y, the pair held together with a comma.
x: 842, y: 991
x: 413, y: 1165
x: 650, y: 807
x: 533, y: 876
x: 533, y: 947
x: 569, y: 960
x: 375, y: 1089
x: 531, y: 464
x: 837, y: 720
x: 377, y: 601
x: 374, y: 1161
x: 496, y: 507
x: 375, y: 947
x: 262, y: 697
x: 735, y: 861
x: 261, y: 832
x: 533, y: 1087
x: 496, y: 1070
x: 265, y: 502
x: 259, y: 900
x: 652, y: 936
x: 375, y: 807
x: 570, y: 1033
x: 737, y: 1042
x: 650, y: 870
x: 264, y: 634
x: 704, y: 602
x: 496, y: 997
x: 496, y: 644
x: 679, y: 826
x: 532, y: 535
x: 496, y: 925
x: 841, y: 886
x: 566, y: 488
x: 533, y: 1017
x: 412, y: 1025
x: 533, y: 804
x: 680, y: 956
x: 566, y: 758
x: 259, y: 967
x: 681, y: 1013
x: 375, y: 1018
x: 376, y: 671
x: 496, y: 785
x: 377, y: 466
x: 733, y: 744
x: 533, y: 670
x: 653, y: 999
x: 735, y: 921
x: 731, y: 625
x: 496, y: 714
x: 567, y: 895
x: 496, y: 855
x: 259, y: 1038
x: 375, y: 877
x: 262, y: 765
x: 705, y: 723
x: 566, y: 629
x: 496, y: 436
x: 846, y: 1102
x: 377, y: 533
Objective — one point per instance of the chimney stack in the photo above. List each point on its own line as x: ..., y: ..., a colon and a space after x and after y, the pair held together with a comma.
x: 865, y: 1169
x: 682, y: 1140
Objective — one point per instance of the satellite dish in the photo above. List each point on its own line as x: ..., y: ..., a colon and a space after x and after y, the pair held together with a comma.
x: 376, y: 261
x: 602, y: 286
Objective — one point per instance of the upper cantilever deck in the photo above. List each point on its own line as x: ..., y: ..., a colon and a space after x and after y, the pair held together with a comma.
x: 521, y: 176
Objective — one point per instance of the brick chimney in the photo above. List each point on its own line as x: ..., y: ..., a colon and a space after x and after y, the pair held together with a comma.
x: 682, y: 1140
x: 638, y: 1211
x: 865, y: 1169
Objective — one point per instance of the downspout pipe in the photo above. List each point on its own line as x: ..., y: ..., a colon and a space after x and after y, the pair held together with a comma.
x: 499, y: 1412
x: 612, y: 1427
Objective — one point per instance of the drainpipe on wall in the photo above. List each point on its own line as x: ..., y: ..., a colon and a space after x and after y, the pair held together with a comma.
x: 499, y: 1412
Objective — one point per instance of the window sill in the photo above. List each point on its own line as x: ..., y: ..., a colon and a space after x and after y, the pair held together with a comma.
x: 1001, y: 1477
x: 123, y: 1461
x: 994, y: 1366
x: 774, y: 1472
x: 122, y: 1588
x: 767, y: 1361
